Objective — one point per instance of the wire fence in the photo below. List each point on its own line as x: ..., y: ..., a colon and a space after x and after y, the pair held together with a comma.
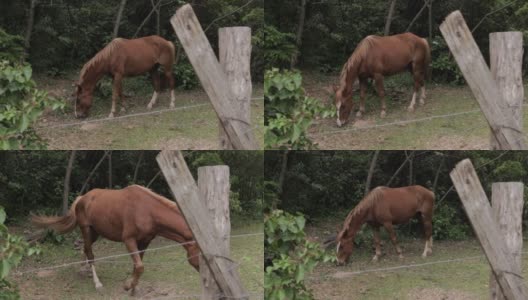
x: 140, y: 114
x: 108, y: 259
x: 340, y: 275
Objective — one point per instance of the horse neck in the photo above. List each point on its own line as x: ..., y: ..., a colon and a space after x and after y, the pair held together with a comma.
x: 355, y: 220
x: 348, y: 78
x: 91, y: 77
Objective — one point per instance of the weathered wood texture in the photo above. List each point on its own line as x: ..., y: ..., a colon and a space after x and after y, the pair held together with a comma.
x: 479, y: 78
x: 235, y: 58
x: 213, y: 183
x: 506, y: 54
x: 507, y: 201
x: 485, y: 226
x: 187, y: 195
x: 212, y: 77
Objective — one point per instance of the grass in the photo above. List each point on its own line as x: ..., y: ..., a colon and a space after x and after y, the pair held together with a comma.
x: 467, y: 279
x: 468, y: 131
x: 167, y: 274
x: 192, y: 128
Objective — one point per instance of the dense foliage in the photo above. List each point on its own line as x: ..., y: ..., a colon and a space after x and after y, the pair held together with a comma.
x: 33, y: 181
x: 328, y: 184
x: 12, y: 249
x: 66, y: 33
x: 333, y: 28
x: 289, y: 112
x: 20, y: 102
x: 289, y: 257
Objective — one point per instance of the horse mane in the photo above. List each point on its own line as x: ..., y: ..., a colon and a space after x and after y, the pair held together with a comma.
x: 163, y: 200
x: 357, y: 56
x: 102, y: 55
x: 370, y: 199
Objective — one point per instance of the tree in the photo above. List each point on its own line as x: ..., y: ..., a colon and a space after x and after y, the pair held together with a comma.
x: 66, y: 191
x: 118, y: 18
x: 389, y: 17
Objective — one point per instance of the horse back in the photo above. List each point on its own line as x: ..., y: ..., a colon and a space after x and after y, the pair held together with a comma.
x: 401, y: 204
x: 137, y: 56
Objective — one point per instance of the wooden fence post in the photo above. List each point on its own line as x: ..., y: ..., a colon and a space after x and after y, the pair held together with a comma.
x: 186, y: 194
x: 213, y: 183
x: 212, y: 77
x: 506, y: 54
x: 479, y: 213
x: 507, y: 204
x: 479, y: 78
x: 234, y: 44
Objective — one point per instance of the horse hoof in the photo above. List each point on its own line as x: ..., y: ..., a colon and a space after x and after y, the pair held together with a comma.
x: 359, y: 114
x: 375, y: 259
x: 422, y: 103
x: 127, y: 286
x: 111, y: 115
x: 383, y: 114
x: 123, y: 109
x: 410, y: 109
x: 99, y: 287
x: 171, y: 106
x: 400, y: 256
x: 149, y: 107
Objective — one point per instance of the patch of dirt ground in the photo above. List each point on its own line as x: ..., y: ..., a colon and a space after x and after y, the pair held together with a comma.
x: 438, y: 294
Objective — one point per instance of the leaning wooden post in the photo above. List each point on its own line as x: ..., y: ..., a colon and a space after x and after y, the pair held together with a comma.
x: 479, y: 78
x: 507, y: 202
x: 212, y: 77
x: 188, y: 197
x: 213, y: 183
x: 506, y: 54
x: 234, y: 44
x: 483, y: 221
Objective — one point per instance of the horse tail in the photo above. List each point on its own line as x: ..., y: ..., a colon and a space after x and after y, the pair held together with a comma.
x: 175, y: 57
x: 61, y: 225
x: 427, y: 59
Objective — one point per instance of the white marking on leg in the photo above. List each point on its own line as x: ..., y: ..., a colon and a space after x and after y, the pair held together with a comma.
x: 98, y: 284
x: 173, y: 98
x: 422, y: 97
x: 413, y: 101
x: 153, y: 100
x: 431, y: 245
x: 338, y: 108
x: 426, y: 249
x: 337, y: 248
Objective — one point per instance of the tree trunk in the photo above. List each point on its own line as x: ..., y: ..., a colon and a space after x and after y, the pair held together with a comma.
x: 118, y: 18
x: 30, y: 21
x: 155, y: 6
x: 435, y: 182
x: 136, y: 169
x: 371, y: 171
x: 300, y: 30
x: 410, y: 157
x: 66, y: 190
x: 284, y: 168
x: 85, y: 185
x: 389, y: 17
x: 110, y: 185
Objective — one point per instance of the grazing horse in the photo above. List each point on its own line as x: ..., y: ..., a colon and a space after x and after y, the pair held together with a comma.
x: 122, y: 58
x: 386, y: 207
x: 134, y: 215
x: 376, y: 57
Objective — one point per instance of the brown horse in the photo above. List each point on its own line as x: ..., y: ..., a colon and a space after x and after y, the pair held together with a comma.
x: 386, y: 207
x: 122, y: 58
x: 376, y: 57
x: 134, y: 215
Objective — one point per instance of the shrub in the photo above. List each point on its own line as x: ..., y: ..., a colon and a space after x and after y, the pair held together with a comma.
x: 12, y: 249
x: 289, y: 256
x: 274, y: 48
x: 444, y: 67
x: 288, y: 112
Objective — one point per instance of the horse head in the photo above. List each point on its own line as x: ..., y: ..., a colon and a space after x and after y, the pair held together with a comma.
x: 345, y: 246
x: 83, y: 101
x: 343, y: 103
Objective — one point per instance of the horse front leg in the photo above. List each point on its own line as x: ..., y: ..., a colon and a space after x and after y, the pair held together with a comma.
x: 156, y: 84
x: 362, y: 93
x: 377, y: 242
x: 390, y: 229
x: 131, y: 284
x: 381, y: 92
x: 116, y: 91
x: 89, y: 237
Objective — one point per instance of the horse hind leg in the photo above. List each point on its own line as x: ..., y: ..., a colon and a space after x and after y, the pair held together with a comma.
x: 157, y: 87
x: 422, y: 96
x: 377, y: 241
x: 428, y: 231
x: 132, y: 247
x: 116, y: 92
x: 89, y: 237
x: 170, y: 77
x: 381, y: 92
